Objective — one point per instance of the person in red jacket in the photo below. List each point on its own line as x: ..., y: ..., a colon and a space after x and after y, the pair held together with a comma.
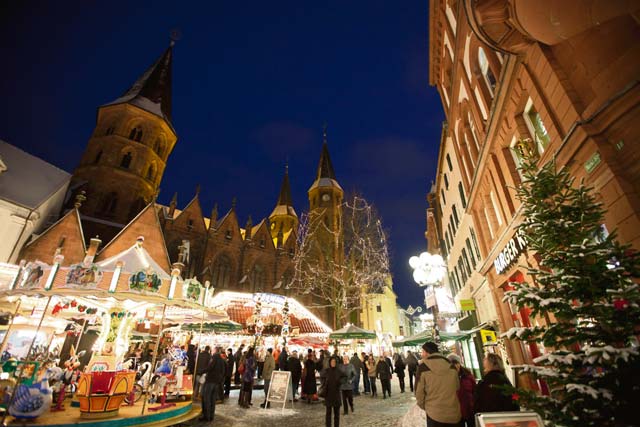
x: 465, y: 392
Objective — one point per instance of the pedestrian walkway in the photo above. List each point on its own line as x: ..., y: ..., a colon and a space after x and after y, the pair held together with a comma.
x: 369, y: 412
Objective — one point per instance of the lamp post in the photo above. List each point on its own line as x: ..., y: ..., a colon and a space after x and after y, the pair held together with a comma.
x: 429, y: 271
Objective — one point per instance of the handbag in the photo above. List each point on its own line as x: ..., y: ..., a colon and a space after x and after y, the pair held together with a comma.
x: 202, y: 378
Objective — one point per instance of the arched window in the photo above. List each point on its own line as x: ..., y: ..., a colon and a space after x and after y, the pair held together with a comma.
x: 110, y: 130
x: 136, y: 134
x: 221, y: 273
x: 159, y: 147
x: 97, y: 158
x: 109, y: 203
x: 489, y: 78
x: 151, y: 173
x: 258, y: 278
x: 126, y: 160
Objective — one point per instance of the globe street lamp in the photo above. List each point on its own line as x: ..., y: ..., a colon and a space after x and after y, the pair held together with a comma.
x: 429, y: 270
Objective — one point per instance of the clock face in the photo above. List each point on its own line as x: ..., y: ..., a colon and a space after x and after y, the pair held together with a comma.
x: 325, y: 197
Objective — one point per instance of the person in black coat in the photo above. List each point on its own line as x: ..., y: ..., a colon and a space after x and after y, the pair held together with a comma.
x: 211, y: 388
x: 294, y: 366
x: 201, y: 367
x: 332, y: 380
x: 399, y: 370
x: 228, y: 373
x: 383, y: 371
x: 282, y: 359
x: 310, y: 388
x: 489, y: 397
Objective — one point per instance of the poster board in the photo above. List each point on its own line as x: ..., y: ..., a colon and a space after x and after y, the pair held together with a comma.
x: 280, y: 389
x: 509, y: 419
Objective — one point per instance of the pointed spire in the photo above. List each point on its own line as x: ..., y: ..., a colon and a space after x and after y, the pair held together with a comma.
x: 173, y: 204
x: 152, y: 90
x: 197, y: 190
x: 234, y: 201
x: 284, y: 199
x: 325, y: 168
x: 247, y: 229
x: 214, y: 217
x: 280, y: 237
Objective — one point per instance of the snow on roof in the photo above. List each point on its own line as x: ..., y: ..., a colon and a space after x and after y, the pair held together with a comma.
x: 28, y: 181
x: 135, y: 259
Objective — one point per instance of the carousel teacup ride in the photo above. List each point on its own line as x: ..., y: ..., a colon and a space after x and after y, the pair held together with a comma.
x: 101, y: 393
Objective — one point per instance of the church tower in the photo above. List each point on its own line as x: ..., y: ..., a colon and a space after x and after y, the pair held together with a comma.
x: 326, y: 195
x: 283, y: 219
x: 125, y: 158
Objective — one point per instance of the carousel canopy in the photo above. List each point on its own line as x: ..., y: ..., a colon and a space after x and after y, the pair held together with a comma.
x: 135, y: 259
x: 352, y: 332
x: 228, y: 326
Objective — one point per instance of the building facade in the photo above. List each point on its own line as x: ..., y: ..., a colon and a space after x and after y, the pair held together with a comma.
x: 555, y: 79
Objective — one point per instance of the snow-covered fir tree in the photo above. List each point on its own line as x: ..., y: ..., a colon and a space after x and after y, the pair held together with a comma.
x: 587, y: 289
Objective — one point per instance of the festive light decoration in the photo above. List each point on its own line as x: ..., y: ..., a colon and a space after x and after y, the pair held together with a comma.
x: 428, y: 269
x: 285, y: 320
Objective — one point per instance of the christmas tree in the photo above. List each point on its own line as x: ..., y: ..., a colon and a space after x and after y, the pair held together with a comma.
x: 586, y: 290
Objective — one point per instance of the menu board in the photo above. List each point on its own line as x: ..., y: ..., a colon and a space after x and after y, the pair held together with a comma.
x: 279, y: 388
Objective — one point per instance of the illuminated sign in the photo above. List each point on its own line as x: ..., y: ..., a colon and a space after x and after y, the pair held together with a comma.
x: 510, y: 253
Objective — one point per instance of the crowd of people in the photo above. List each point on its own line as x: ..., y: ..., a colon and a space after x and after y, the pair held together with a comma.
x: 446, y: 392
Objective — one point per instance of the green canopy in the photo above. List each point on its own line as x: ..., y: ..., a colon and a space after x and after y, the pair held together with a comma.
x: 352, y: 332
x: 417, y: 339
x: 227, y: 326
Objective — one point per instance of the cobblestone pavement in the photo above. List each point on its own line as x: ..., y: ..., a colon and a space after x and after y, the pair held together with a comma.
x: 369, y: 412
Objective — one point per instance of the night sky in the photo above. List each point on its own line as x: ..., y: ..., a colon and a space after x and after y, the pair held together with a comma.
x: 253, y: 83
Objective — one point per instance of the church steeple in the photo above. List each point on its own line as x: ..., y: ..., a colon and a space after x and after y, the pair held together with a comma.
x: 325, y: 175
x: 152, y: 90
x: 284, y: 216
x: 126, y: 156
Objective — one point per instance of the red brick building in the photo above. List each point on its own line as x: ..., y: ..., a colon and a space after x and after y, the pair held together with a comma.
x: 557, y: 78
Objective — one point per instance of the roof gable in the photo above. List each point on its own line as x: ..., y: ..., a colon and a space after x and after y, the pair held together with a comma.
x: 261, y: 232
x: 230, y: 222
x: 193, y: 211
x: 145, y: 224
x: 44, y: 246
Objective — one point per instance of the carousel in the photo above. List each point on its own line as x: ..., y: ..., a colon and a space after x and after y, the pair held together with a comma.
x: 91, y: 343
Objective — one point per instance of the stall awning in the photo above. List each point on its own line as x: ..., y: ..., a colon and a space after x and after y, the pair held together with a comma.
x: 352, y: 332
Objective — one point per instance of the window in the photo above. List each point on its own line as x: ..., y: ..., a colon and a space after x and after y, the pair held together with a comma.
x: 126, y: 160
x: 258, y: 278
x: 159, y: 147
x: 262, y: 243
x: 379, y: 308
x: 446, y: 181
x: 227, y: 235
x: 475, y: 243
x: 136, y: 134
x: 449, y: 163
x: 110, y: 203
x: 462, y: 198
x: 536, y: 127
x: 110, y: 130
x: 467, y: 265
x: 495, y: 207
x: 455, y: 215
x: 489, y: 78
x: 98, y: 157
x: 151, y: 173
x: 221, y: 273
x: 444, y: 200
x: 473, y: 258
x: 189, y: 224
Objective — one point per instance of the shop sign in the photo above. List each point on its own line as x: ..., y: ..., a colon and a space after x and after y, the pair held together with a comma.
x: 467, y: 305
x: 488, y: 337
x: 510, y: 253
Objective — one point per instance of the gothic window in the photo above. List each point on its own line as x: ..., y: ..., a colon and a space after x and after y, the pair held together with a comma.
x: 126, y: 160
x: 189, y: 224
x: 110, y: 130
x: 136, y: 134
x: 228, y: 235
x: 258, y: 278
x: 262, y: 243
x: 489, y: 77
x: 151, y: 173
x: 98, y: 157
x: 221, y: 273
x: 109, y: 203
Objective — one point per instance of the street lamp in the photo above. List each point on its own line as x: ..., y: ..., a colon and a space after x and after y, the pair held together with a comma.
x: 429, y: 270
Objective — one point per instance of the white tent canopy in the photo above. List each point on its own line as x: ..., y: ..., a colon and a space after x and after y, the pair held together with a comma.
x: 134, y: 259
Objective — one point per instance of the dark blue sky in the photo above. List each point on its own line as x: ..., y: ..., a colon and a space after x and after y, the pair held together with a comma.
x: 252, y: 84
